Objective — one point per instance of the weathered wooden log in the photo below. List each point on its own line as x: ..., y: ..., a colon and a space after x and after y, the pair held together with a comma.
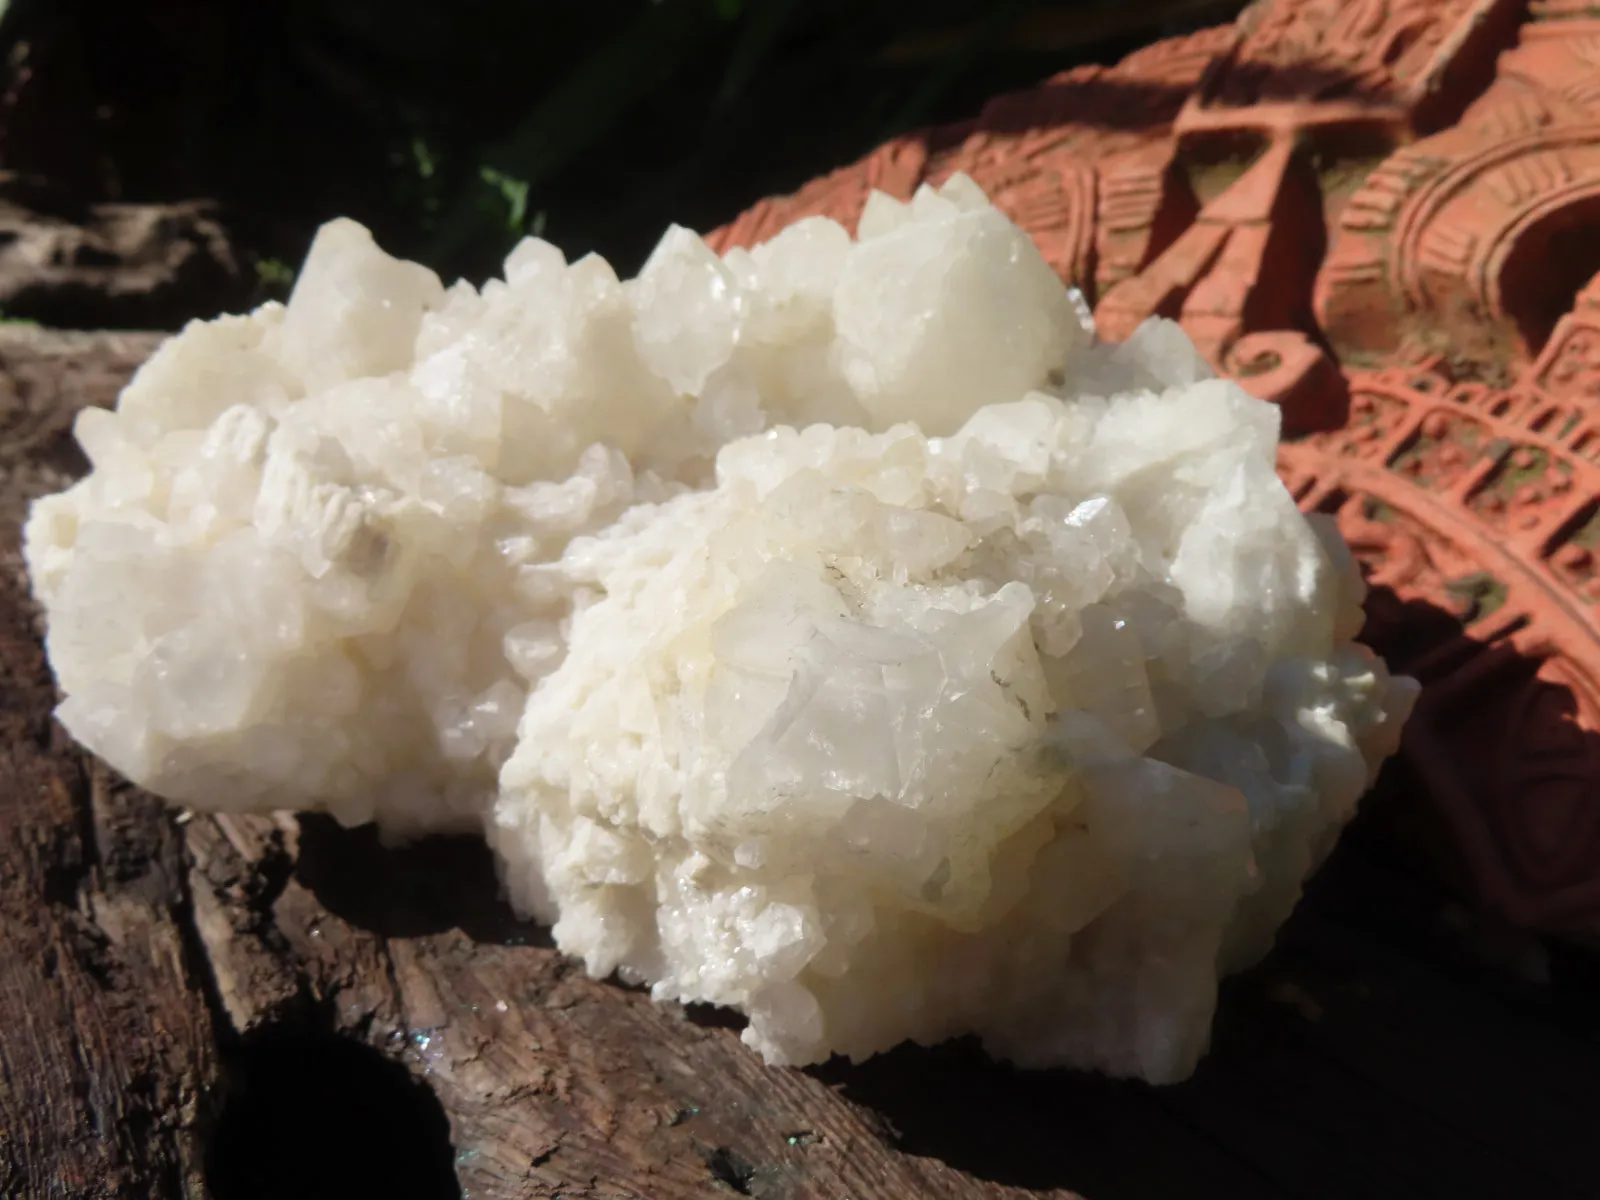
x: 253, y: 1007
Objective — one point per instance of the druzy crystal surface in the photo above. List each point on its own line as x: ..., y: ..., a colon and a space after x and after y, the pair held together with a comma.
x: 834, y: 631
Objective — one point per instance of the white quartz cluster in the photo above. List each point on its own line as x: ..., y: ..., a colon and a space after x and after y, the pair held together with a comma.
x: 834, y: 631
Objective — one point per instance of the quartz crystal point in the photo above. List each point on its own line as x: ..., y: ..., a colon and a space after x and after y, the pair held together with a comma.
x: 833, y: 631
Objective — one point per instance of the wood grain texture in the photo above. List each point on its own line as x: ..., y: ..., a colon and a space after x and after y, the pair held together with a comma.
x: 249, y: 1007
x: 106, y: 1046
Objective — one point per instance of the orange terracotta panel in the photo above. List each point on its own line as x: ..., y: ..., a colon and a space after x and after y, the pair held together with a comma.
x: 1383, y: 215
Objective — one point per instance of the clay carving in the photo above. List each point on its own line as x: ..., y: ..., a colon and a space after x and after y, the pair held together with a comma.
x: 1383, y: 215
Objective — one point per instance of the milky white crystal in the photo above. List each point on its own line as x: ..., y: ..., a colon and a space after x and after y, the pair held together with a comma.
x: 831, y: 630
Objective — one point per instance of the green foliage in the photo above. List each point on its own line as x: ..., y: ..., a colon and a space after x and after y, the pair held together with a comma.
x: 275, y: 276
x: 515, y: 194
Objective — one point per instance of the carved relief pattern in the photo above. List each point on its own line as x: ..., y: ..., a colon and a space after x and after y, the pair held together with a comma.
x: 1479, y: 504
x: 1441, y: 404
x: 1326, y: 49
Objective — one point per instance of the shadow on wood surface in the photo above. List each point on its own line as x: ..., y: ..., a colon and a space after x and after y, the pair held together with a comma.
x: 431, y: 886
x: 314, y: 1116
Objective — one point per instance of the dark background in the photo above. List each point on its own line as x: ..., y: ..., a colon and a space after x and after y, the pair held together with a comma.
x: 452, y: 127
